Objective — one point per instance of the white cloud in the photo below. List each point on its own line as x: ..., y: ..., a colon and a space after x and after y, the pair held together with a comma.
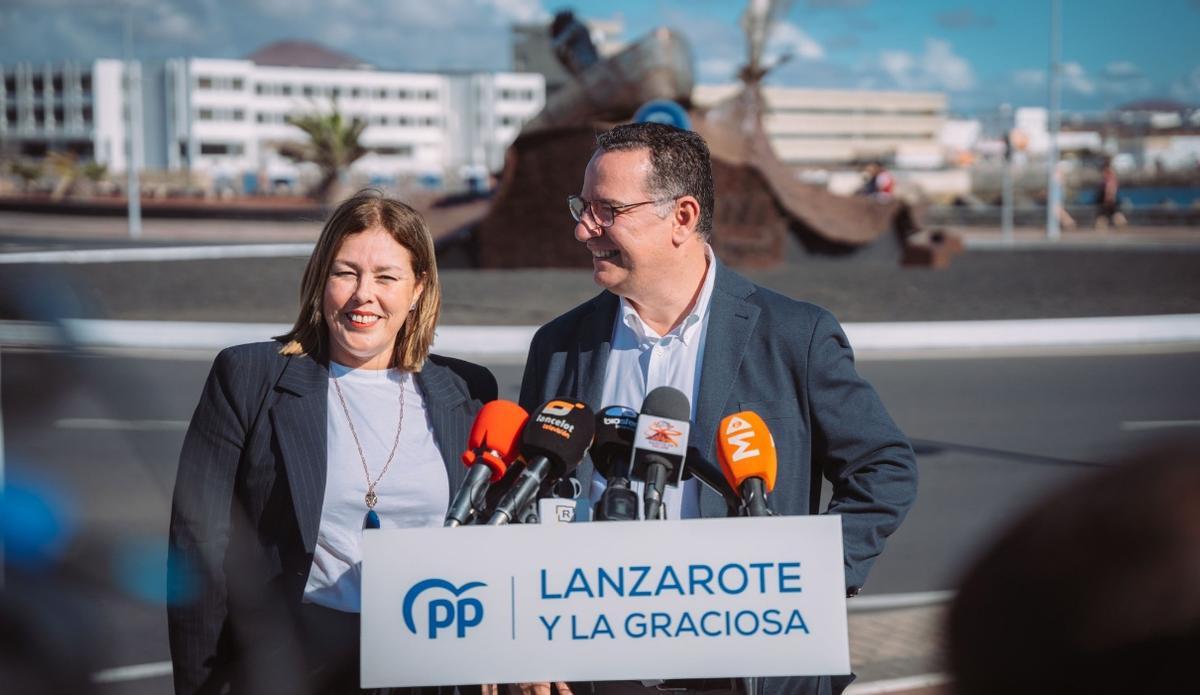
x: 339, y: 33
x: 938, y: 67
x: 1075, y: 79
x: 947, y: 68
x: 1030, y: 78
x: 788, y: 38
x: 898, y: 65
x: 447, y: 14
x: 163, y: 21
x: 1121, y: 69
x: 1187, y: 88
x: 520, y: 10
x: 717, y: 70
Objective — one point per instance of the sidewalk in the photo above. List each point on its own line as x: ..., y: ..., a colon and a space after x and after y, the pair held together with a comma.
x: 116, y: 229
x: 75, y: 227
x: 890, y: 650
x: 992, y: 238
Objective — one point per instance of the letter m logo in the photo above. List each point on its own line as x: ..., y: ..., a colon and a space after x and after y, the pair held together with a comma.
x: 739, y: 433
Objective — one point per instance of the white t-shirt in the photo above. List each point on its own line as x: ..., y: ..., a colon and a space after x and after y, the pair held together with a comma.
x: 414, y: 492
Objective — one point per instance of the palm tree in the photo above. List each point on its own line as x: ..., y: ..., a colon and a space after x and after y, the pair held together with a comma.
x: 66, y: 168
x: 333, y: 145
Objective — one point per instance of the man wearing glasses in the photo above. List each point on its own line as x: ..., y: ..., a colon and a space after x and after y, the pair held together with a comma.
x: 673, y: 315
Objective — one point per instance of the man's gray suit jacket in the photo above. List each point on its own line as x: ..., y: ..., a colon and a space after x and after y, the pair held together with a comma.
x: 791, y: 363
x: 247, y: 506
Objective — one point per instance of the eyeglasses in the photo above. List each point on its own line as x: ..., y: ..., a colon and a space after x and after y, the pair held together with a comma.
x: 603, y: 214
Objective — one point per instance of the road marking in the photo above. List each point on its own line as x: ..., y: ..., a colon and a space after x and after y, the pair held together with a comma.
x: 888, y: 602
x: 1138, y: 425
x: 133, y: 673
x: 84, y: 423
x: 160, y: 253
x: 898, y: 685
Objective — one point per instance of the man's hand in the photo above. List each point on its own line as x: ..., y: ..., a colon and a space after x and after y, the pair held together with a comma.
x: 560, y: 688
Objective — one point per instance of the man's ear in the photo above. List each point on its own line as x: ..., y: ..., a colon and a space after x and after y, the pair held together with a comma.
x: 686, y: 218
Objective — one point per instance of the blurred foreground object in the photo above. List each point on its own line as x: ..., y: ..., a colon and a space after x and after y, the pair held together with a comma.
x: 1096, y: 590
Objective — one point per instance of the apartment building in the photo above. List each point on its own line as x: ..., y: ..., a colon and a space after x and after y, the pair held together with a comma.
x: 228, y: 118
x: 833, y: 127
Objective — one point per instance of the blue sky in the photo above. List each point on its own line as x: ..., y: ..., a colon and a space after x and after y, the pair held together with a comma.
x: 981, y: 54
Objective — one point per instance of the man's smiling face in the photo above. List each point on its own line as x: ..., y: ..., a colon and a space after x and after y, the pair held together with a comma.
x: 636, y: 251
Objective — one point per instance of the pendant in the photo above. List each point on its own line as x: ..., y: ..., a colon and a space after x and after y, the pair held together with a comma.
x: 371, y: 498
x: 371, y: 520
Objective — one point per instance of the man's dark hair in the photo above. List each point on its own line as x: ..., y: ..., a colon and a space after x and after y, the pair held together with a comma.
x: 679, y: 163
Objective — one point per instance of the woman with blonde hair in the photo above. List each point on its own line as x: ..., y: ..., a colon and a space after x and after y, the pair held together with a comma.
x: 299, y: 445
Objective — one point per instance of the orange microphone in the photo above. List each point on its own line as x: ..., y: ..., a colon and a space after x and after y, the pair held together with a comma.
x: 746, y: 451
x: 492, y: 445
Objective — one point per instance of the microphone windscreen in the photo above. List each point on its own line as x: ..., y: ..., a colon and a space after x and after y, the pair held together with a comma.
x: 561, y: 430
x: 746, y: 449
x: 495, y: 436
x: 615, y: 427
x: 663, y: 426
x: 668, y: 402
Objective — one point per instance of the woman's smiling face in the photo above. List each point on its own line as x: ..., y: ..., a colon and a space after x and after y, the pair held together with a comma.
x: 370, y: 289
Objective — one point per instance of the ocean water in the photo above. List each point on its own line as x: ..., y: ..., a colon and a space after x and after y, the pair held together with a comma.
x: 1149, y: 196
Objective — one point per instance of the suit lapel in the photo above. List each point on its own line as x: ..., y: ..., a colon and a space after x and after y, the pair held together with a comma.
x: 300, y: 424
x: 731, y: 321
x: 443, y: 399
x: 592, y: 352
x: 593, y: 349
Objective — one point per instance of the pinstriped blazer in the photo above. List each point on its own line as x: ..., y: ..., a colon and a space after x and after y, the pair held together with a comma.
x: 247, y: 503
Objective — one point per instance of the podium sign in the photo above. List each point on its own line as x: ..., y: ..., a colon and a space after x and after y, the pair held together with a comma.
x: 604, y: 601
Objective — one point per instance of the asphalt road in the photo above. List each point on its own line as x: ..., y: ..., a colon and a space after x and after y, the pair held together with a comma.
x: 101, y: 434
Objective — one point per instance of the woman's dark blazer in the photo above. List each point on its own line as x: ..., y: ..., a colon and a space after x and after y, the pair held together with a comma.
x: 247, y: 507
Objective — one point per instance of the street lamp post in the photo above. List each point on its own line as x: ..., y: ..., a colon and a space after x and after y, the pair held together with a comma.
x: 1053, y: 185
x: 133, y: 130
x: 1006, y: 191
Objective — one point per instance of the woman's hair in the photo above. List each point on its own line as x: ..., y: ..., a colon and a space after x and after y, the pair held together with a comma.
x: 369, y: 209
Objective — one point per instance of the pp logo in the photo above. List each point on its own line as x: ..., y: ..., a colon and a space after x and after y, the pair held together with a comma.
x: 443, y: 613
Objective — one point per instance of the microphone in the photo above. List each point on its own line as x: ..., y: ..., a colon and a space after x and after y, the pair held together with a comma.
x: 616, y: 426
x: 660, y: 445
x: 552, y: 444
x: 746, y: 451
x: 491, y: 447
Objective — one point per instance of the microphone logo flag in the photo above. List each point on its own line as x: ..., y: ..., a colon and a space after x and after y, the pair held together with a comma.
x: 442, y: 613
x: 663, y: 435
x: 560, y: 408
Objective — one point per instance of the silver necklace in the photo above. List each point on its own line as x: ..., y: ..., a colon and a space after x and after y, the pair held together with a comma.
x: 372, y: 519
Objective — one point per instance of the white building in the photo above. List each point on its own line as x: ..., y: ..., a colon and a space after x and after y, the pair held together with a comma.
x: 834, y: 127
x: 226, y: 118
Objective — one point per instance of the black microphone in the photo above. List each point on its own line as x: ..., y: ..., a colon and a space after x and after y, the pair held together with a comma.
x: 660, y: 445
x: 616, y: 426
x: 553, y: 442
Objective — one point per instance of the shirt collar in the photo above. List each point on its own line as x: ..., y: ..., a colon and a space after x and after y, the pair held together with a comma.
x: 688, y: 328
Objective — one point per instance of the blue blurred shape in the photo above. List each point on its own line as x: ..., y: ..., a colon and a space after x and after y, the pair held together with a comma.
x: 140, y: 569
x: 34, y: 525
x: 181, y: 581
x: 663, y: 111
